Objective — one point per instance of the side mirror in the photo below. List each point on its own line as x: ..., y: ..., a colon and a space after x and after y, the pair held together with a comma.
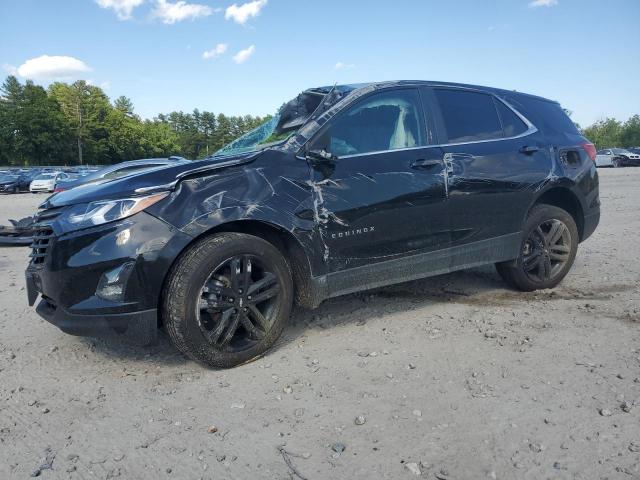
x: 321, y: 155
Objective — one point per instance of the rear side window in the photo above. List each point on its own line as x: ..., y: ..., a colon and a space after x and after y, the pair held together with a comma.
x: 511, y: 123
x: 468, y: 116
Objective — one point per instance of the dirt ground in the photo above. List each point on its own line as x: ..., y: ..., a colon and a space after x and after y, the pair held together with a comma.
x: 454, y: 377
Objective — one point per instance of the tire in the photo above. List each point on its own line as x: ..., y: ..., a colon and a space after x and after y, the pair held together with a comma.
x: 616, y: 163
x: 541, y: 252
x: 16, y: 190
x: 203, y: 300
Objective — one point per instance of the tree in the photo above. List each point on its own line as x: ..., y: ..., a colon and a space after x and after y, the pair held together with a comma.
x: 10, y: 98
x: 630, y: 134
x: 604, y: 133
x: 44, y: 135
x: 124, y: 104
x: 86, y: 108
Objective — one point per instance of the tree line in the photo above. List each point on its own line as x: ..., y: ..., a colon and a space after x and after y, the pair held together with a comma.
x: 73, y: 124
x: 613, y: 133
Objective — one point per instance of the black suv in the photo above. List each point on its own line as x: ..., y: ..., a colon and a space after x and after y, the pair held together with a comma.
x: 346, y: 188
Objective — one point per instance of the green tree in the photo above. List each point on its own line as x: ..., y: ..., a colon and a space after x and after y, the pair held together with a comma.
x: 11, y: 94
x: 86, y: 108
x: 604, y: 133
x: 124, y: 104
x: 630, y: 134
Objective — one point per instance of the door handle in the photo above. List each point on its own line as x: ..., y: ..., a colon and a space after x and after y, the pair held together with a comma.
x: 529, y: 149
x: 422, y: 163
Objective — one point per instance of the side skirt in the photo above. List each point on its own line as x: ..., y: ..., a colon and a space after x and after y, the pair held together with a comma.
x: 380, y: 274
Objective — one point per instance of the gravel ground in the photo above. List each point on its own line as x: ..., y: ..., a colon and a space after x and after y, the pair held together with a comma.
x: 454, y: 377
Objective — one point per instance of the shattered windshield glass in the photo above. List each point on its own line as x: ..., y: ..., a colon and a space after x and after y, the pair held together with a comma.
x: 290, y: 117
x: 259, y: 137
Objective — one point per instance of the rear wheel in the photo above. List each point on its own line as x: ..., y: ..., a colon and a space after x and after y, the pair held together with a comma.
x: 548, y: 249
x: 227, y: 299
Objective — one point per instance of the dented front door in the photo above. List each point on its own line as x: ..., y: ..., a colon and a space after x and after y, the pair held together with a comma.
x: 382, y: 206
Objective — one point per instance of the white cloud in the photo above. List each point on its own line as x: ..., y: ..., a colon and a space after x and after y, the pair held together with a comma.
x: 216, y: 51
x: 543, y: 3
x: 343, y: 66
x: 123, y: 8
x: 52, y: 68
x: 171, y: 13
x: 243, y: 55
x: 240, y: 14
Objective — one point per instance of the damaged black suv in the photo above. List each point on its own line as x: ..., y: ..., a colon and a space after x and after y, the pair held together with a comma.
x: 346, y: 188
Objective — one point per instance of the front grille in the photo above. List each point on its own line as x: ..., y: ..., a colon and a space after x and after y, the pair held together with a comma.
x: 41, y: 239
x: 43, y: 235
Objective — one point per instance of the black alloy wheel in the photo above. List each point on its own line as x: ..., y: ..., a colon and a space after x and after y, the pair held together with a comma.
x: 227, y: 299
x: 547, y: 250
x: 549, y: 246
x: 235, y: 306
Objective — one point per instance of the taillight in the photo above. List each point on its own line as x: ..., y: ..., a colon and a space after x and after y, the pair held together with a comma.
x: 58, y: 189
x: 590, y: 148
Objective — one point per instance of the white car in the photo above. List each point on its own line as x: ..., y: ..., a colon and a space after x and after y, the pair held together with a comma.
x: 46, y: 181
x: 616, y: 157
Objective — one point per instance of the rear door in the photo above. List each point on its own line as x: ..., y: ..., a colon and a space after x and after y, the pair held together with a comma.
x: 384, y: 195
x: 494, y: 161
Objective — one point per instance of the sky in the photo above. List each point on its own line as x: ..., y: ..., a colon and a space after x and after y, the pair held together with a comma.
x: 251, y: 56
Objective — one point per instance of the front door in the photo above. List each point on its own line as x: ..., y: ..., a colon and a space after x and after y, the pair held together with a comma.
x: 384, y: 194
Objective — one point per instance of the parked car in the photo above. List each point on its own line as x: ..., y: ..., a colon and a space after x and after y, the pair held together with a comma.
x: 46, y: 181
x: 345, y: 189
x: 117, y: 171
x: 12, y: 183
x: 617, y: 157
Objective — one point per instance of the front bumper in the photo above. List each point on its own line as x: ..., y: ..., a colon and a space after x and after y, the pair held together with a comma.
x: 69, y: 273
x: 629, y: 162
x: 40, y: 189
x: 138, y: 327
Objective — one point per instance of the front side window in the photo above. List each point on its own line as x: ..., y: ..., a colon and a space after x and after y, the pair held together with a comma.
x: 389, y: 120
x: 468, y: 116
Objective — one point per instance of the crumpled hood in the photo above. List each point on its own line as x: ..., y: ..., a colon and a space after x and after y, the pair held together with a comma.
x: 156, y: 180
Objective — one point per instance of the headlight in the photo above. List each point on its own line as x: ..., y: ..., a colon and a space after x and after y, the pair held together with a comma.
x: 105, y: 211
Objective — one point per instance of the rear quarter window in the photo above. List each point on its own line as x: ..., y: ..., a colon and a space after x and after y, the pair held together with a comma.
x: 548, y: 116
x: 511, y: 123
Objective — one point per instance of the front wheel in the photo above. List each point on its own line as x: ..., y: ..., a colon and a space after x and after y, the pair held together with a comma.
x: 617, y: 163
x: 227, y: 299
x: 548, y: 249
